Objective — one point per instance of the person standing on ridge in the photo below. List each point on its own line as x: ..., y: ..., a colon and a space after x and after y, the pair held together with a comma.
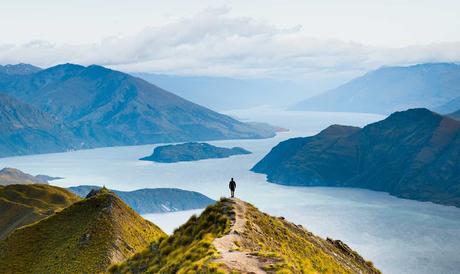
x: 232, y: 186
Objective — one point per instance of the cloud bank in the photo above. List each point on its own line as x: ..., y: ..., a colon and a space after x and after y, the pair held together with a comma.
x: 214, y: 43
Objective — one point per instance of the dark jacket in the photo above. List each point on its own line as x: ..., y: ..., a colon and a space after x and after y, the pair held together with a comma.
x: 232, y: 185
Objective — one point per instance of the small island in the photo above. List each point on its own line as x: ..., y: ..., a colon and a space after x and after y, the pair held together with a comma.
x: 191, y: 152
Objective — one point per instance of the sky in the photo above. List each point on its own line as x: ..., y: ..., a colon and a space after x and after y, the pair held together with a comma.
x: 288, y: 39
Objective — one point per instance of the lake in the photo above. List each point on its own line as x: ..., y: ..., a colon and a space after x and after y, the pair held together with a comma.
x: 398, y: 235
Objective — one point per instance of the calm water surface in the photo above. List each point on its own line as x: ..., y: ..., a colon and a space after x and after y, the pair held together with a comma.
x: 398, y: 235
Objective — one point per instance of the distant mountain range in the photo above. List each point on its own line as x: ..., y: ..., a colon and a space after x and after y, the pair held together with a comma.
x: 413, y: 154
x: 225, y: 93
x: 191, y: 152
x: 71, y: 107
x: 154, y: 200
x: 19, y: 69
x: 434, y: 86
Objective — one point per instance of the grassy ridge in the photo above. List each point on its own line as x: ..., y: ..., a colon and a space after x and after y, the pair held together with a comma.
x: 188, y: 250
x: 287, y: 247
x: 40, y: 196
x: 85, y: 237
x: 94, y: 233
x: 25, y: 204
x: 297, y: 250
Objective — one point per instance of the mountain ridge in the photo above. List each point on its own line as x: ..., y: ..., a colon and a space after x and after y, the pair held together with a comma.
x: 388, y: 89
x: 19, y: 69
x: 24, y: 204
x: 244, y: 240
x: 97, y: 106
x: 85, y: 237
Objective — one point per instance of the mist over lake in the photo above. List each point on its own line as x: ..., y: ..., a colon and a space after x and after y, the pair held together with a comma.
x: 398, y: 235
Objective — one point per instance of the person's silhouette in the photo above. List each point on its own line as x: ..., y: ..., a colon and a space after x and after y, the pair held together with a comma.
x: 232, y: 186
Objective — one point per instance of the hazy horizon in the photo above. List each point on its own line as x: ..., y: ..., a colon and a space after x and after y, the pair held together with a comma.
x: 303, y: 41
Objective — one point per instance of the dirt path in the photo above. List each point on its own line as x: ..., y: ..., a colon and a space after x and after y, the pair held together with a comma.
x: 228, y: 244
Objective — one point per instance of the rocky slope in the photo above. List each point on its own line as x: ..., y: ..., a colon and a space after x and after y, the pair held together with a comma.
x: 413, y: 154
x: 388, y: 89
x: 155, y: 200
x: 234, y: 237
x: 103, y: 107
x: 85, y: 237
x: 24, y: 204
x: 191, y: 152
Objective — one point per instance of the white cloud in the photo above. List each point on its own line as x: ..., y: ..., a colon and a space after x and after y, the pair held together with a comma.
x: 213, y: 42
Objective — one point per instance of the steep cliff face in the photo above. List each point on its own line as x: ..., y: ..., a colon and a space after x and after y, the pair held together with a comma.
x: 412, y: 154
x: 235, y: 237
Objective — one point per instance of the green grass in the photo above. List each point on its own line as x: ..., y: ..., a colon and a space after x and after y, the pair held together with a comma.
x: 40, y: 196
x: 24, y: 204
x: 188, y: 250
x: 85, y: 237
x: 288, y: 248
x: 295, y: 250
x: 94, y: 233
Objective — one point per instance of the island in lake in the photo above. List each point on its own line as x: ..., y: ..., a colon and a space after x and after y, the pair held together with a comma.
x: 191, y: 152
